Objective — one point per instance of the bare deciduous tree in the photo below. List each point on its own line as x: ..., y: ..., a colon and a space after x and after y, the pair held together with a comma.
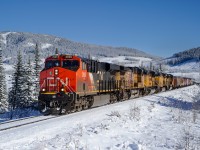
x: 134, y: 112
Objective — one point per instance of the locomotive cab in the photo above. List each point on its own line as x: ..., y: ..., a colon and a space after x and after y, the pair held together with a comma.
x: 58, y: 80
x: 57, y: 67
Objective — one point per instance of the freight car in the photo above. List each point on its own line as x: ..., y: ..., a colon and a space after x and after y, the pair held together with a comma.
x: 70, y: 83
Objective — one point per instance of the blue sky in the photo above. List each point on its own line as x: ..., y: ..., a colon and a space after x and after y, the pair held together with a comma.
x: 158, y: 27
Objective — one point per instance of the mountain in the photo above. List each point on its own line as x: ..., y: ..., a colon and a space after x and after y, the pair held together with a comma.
x: 185, y: 63
x: 25, y: 42
x: 185, y: 56
x: 11, y: 42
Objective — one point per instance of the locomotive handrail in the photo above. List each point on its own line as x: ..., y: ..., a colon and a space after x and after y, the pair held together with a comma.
x: 67, y: 85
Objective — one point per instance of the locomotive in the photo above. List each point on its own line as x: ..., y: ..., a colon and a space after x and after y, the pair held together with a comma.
x: 70, y: 83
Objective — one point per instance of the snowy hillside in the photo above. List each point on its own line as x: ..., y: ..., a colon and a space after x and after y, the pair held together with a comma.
x: 130, y: 61
x: 13, y: 41
x: 167, y: 120
x: 190, y: 68
x: 185, y: 63
x: 192, y: 54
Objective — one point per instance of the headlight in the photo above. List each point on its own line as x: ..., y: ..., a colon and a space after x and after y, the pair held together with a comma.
x: 56, y: 71
x: 62, y: 89
x: 43, y: 89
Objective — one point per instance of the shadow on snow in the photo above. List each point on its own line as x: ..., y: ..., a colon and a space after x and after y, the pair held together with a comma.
x: 173, y: 102
x: 19, y: 113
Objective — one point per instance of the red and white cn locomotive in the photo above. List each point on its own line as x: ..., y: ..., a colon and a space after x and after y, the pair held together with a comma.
x: 67, y: 83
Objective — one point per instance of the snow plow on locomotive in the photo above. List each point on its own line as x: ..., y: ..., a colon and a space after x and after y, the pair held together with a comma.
x: 69, y: 83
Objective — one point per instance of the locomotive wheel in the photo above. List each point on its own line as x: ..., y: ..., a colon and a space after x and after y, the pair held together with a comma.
x: 84, y: 106
x: 113, y: 98
x: 67, y: 108
x: 119, y: 96
x: 141, y: 92
x: 90, y: 101
x: 43, y: 109
x: 84, y: 103
x: 46, y: 111
x: 125, y: 95
x: 63, y: 111
x: 129, y: 94
x: 78, y: 108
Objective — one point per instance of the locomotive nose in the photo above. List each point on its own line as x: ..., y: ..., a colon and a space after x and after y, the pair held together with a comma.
x: 49, y: 80
x: 48, y: 102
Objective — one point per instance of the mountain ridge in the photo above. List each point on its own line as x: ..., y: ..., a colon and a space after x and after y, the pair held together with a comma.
x: 25, y: 41
x: 192, y: 54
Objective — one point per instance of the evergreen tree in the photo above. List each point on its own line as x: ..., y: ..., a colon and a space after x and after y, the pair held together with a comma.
x: 37, y: 69
x: 56, y: 52
x: 3, y: 88
x: 28, y: 94
x: 160, y: 68
x: 16, y: 94
x: 151, y: 66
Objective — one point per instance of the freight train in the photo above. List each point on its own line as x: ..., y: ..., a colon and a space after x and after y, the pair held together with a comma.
x: 70, y: 83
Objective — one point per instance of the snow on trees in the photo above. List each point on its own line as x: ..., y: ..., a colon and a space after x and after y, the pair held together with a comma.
x: 28, y: 94
x: 3, y: 88
x: 36, y: 73
x: 181, y: 57
x: 17, y: 92
x: 25, y: 83
x: 20, y: 95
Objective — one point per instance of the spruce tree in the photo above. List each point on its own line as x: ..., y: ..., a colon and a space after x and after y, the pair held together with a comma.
x: 16, y: 94
x: 3, y: 88
x: 56, y: 52
x: 36, y: 74
x: 28, y: 80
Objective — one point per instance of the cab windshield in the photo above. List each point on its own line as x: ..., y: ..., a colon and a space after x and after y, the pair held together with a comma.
x: 52, y: 63
x: 71, y: 64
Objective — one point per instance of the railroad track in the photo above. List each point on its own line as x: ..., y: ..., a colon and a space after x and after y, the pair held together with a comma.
x: 16, y: 120
x: 22, y: 122
x: 34, y: 119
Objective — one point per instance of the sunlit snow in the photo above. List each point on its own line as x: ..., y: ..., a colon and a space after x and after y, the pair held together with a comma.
x: 46, y: 45
x: 161, y: 121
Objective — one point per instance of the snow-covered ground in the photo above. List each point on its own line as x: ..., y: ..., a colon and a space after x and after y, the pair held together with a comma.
x: 127, y: 60
x: 160, y: 121
x: 45, y: 45
x: 188, y: 65
x: 190, y: 69
x: 194, y: 75
x: 4, y: 36
x: 30, y: 44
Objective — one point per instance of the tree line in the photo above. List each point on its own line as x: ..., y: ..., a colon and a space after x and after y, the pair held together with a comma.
x: 181, y: 57
x: 25, y: 84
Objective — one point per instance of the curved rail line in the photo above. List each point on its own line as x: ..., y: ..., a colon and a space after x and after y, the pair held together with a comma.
x: 16, y: 120
x: 26, y: 123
